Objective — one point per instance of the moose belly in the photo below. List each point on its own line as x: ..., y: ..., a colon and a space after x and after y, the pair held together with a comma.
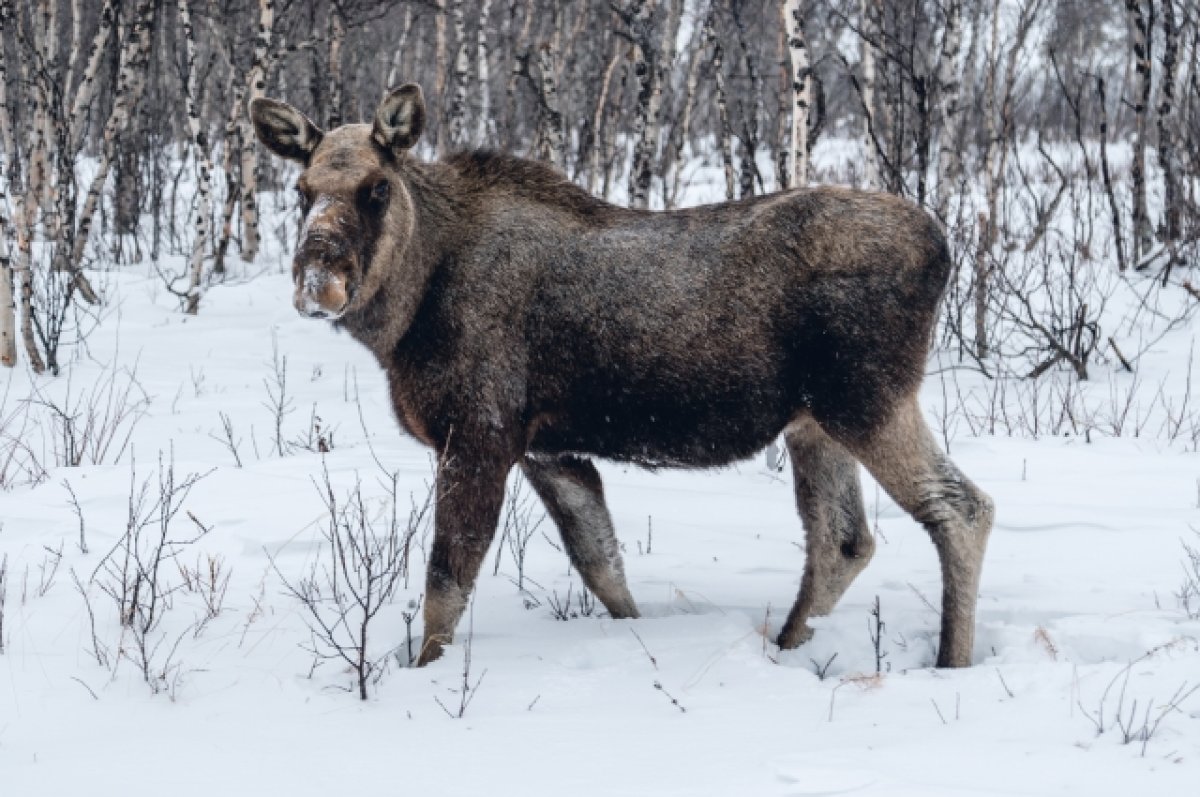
x: 665, y: 425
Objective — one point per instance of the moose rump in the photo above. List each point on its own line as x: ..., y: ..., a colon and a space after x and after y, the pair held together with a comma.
x: 522, y: 322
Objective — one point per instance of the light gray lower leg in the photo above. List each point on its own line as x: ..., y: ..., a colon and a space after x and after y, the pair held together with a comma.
x: 839, y: 542
x: 907, y: 462
x: 574, y: 497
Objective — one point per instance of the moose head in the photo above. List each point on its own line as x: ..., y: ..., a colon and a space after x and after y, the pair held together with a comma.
x: 358, y: 214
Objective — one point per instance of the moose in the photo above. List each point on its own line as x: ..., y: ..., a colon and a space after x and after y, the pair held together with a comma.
x: 523, y: 322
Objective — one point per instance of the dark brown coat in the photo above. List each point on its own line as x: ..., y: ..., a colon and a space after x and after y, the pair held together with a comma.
x: 524, y: 322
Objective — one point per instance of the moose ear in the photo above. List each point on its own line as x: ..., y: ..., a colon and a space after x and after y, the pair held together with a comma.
x: 284, y: 130
x: 400, y: 118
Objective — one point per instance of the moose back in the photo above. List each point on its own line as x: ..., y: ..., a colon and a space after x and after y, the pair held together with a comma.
x: 522, y: 322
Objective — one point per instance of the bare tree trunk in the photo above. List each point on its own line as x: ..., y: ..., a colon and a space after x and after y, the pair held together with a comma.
x: 647, y: 66
x: 948, y: 95
x: 1142, y: 21
x: 256, y: 84
x: 599, y: 141
x: 10, y: 175
x: 1166, y: 132
x: 689, y: 102
x: 869, y: 22
x: 202, y: 160
x: 337, y: 40
x: 1118, y: 236
x: 801, y: 89
x: 983, y: 254
x: 519, y: 67
x: 752, y: 120
x: 725, y: 134
x: 486, y: 130
x: 439, y: 82
x: 87, y: 85
x: 393, y: 75
x: 131, y: 79
x: 554, y: 140
x: 8, y: 319
x: 457, y: 120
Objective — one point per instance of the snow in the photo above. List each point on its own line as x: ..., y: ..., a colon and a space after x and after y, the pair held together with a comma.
x: 1078, y: 620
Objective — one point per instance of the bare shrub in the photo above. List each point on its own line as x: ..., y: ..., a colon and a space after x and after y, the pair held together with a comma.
x: 367, y: 557
x: 135, y: 576
x: 1189, y: 589
x: 520, y: 521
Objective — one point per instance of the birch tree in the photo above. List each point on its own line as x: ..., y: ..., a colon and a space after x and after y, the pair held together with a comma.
x: 201, y: 160
x: 948, y: 94
x: 793, y: 21
x: 462, y: 66
x: 1140, y: 16
x: 256, y: 84
x: 486, y: 129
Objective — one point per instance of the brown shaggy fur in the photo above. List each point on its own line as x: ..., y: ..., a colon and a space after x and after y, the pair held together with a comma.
x: 523, y: 322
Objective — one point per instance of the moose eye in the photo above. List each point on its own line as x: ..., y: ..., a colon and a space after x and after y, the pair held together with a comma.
x: 379, y: 192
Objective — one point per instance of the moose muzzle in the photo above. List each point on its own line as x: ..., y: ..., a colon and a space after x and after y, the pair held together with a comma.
x: 320, y: 293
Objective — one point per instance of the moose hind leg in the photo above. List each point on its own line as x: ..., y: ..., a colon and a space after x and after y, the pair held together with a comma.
x: 574, y: 497
x: 903, y: 456
x: 839, y: 542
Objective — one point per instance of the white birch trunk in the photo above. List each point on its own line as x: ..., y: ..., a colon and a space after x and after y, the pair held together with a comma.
x: 599, y: 148
x: 256, y: 84
x: 393, y: 75
x: 555, y: 143
x: 948, y: 83
x: 202, y: 161
x: 337, y: 39
x: 1142, y: 236
x: 637, y: 17
x: 462, y: 67
x: 8, y: 320
x: 801, y: 89
x: 486, y: 129
x: 439, y: 82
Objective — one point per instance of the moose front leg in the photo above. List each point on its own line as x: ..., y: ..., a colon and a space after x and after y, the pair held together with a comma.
x: 470, y: 493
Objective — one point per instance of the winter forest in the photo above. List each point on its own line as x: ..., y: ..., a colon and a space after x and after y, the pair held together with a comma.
x: 214, y: 535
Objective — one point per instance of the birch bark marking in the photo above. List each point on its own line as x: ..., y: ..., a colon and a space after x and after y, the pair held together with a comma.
x: 801, y: 89
x: 203, y: 162
x: 1140, y: 18
x: 256, y: 80
x: 948, y: 85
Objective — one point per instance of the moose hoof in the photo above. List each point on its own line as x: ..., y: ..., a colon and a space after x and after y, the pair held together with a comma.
x: 431, y: 650
x: 793, y: 636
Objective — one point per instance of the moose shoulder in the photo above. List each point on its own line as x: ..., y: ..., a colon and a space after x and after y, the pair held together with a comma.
x: 523, y: 322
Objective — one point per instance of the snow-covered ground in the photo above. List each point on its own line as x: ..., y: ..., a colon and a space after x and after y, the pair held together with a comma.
x: 1082, y: 646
